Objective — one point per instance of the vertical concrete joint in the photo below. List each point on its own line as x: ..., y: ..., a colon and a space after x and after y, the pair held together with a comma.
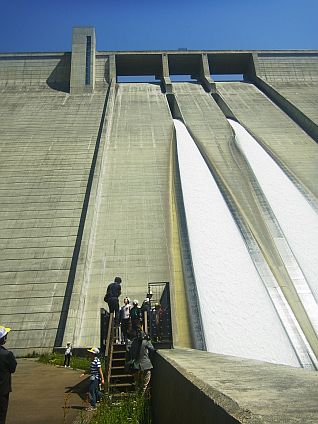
x: 83, y: 60
x: 205, y: 74
x: 112, y: 74
x: 166, y: 74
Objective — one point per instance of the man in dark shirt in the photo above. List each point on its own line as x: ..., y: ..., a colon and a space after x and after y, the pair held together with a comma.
x: 7, y: 367
x: 111, y: 297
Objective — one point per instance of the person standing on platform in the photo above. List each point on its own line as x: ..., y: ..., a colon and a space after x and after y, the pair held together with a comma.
x: 135, y: 316
x: 124, y: 319
x: 112, y: 298
x: 8, y: 366
x: 145, y: 313
x: 158, y: 314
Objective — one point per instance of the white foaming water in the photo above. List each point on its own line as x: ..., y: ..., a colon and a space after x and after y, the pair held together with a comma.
x: 296, y: 217
x: 238, y: 316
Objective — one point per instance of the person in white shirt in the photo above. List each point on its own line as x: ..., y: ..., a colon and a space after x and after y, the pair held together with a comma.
x: 67, y: 355
x: 124, y: 319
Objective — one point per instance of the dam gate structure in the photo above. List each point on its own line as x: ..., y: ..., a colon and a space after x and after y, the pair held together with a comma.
x: 91, y: 187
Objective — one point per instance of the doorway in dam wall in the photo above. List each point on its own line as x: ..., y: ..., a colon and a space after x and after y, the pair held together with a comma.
x: 160, y: 324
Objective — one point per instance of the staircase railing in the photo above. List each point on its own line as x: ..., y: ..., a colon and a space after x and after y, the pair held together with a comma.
x: 109, y: 349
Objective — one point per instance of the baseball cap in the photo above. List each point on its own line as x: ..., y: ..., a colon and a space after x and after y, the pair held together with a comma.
x: 94, y: 350
x: 4, y: 331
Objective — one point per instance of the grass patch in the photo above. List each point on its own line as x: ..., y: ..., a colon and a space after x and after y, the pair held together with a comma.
x: 132, y: 409
x: 58, y: 359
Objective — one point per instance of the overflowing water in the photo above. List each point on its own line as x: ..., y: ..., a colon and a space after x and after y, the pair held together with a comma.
x: 237, y: 314
x: 297, y: 219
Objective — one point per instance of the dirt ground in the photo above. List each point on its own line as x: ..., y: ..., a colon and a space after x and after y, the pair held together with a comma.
x: 45, y: 394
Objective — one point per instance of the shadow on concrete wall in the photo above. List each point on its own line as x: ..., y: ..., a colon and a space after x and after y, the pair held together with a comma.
x: 59, y: 78
x: 177, y: 400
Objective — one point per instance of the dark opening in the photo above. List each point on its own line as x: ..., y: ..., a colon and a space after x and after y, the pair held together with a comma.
x: 88, y: 60
x: 174, y: 107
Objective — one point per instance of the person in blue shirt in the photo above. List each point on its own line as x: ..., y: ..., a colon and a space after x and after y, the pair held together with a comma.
x: 96, y: 376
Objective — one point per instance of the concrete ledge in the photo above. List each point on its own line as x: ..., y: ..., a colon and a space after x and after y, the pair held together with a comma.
x: 196, y: 386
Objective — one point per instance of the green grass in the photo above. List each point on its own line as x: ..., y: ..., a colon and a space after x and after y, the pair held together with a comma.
x: 132, y: 409
x: 58, y: 359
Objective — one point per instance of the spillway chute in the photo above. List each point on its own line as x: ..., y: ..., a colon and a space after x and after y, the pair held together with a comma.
x: 293, y: 220
x: 238, y: 316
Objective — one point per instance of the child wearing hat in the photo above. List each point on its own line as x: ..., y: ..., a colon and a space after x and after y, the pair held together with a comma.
x: 8, y: 365
x: 96, y: 375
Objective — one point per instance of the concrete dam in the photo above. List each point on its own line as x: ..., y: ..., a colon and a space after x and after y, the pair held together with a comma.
x: 96, y: 181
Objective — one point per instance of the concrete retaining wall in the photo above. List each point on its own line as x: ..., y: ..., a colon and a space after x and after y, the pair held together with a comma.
x: 193, y: 386
x: 176, y: 399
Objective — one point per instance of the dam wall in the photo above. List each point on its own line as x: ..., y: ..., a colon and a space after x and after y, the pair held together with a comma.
x: 47, y: 144
x: 88, y: 186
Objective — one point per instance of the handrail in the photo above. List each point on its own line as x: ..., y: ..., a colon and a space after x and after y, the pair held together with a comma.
x: 145, y: 320
x: 109, y: 348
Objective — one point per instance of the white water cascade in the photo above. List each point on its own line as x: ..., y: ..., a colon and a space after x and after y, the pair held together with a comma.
x: 237, y: 314
x: 297, y: 219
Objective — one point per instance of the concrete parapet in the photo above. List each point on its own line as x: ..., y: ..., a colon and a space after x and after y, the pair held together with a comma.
x: 195, y: 386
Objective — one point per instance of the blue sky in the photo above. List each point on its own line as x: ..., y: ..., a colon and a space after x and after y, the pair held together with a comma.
x: 161, y: 24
